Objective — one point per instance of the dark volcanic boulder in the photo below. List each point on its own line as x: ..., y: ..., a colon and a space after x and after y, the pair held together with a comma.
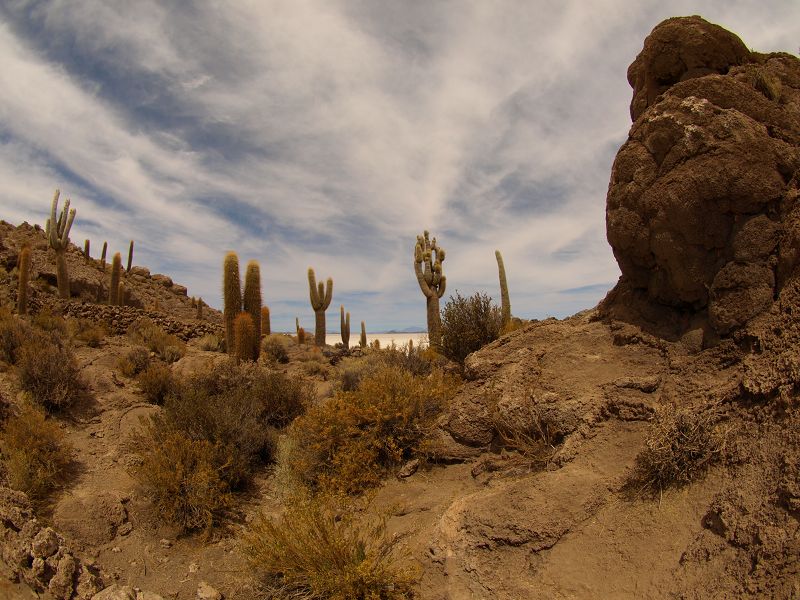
x: 701, y: 210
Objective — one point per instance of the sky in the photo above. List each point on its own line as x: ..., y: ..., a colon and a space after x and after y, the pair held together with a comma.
x: 330, y: 133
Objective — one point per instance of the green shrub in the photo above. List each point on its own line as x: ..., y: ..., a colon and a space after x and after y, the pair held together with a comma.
x: 316, y: 552
x: 182, y: 478
x: 350, y: 442
x: 156, y: 382
x: 48, y: 370
x: 134, y: 362
x: 468, y: 324
x: 274, y: 347
x: 34, y: 452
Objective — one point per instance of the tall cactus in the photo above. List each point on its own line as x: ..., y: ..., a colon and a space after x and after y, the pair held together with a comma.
x: 24, y: 277
x: 130, y: 257
x: 428, y: 258
x: 57, y: 232
x: 199, y: 309
x: 320, y: 301
x: 266, y: 328
x: 86, y: 254
x: 363, y: 341
x: 116, y: 275
x: 232, y: 293
x: 505, y: 307
x: 345, y: 326
x: 244, y: 337
x: 103, y: 256
x: 252, y: 302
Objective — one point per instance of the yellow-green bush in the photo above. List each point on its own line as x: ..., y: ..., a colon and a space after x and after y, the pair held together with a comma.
x: 156, y: 382
x: 274, y: 348
x: 468, y: 324
x: 34, y: 452
x: 136, y: 360
x: 315, y: 552
x: 348, y: 443
x: 48, y: 370
x: 151, y: 336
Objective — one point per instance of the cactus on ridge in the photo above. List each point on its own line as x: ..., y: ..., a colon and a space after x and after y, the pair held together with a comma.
x: 199, y: 309
x: 232, y: 293
x: 345, y: 326
x: 301, y: 336
x: 505, y: 307
x: 57, y: 232
x: 363, y: 341
x: 86, y: 254
x: 116, y: 275
x: 251, y: 302
x: 428, y: 258
x: 103, y: 256
x: 130, y: 257
x: 24, y: 277
x: 320, y: 301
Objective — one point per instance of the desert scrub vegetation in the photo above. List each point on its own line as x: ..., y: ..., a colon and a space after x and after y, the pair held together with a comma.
x: 48, y: 371
x: 680, y: 447
x: 217, y: 426
x: 86, y: 331
x: 166, y: 346
x: 156, y: 382
x: 34, y: 453
x: 13, y: 332
x: 212, y: 343
x: 410, y: 358
x: 317, y: 552
x: 468, y: 324
x: 274, y: 348
x: 350, y: 442
x: 135, y: 360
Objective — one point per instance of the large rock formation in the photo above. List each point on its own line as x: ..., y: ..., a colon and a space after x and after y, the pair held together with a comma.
x: 702, y: 208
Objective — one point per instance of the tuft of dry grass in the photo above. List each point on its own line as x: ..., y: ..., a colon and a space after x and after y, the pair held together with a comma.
x: 136, y: 360
x: 680, y: 447
x: 146, y: 333
x: 349, y: 443
x: 87, y: 331
x: 274, y: 348
x: 13, y: 332
x: 156, y: 382
x: 34, y: 452
x: 316, y: 552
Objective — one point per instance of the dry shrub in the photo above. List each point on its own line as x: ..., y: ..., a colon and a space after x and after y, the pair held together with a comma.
x: 47, y: 321
x: 681, y: 445
x: 274, y: 348
x: 135, y: 361
x: 182, y: 478
x: 224, y: 420
x: 151, y: 336
x: 531, y: 439
x: 348, y: 443
x: 468, y: 324
x: 409, y: 358
x: 156, y: 382
x: 212, y: 343
x: 316, y: 552
x: 87, y: 331
x: 48, y: 370
x: 34, y: 452
x: 13, y: 332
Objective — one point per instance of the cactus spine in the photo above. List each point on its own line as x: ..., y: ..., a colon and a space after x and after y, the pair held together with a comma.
x: 130, y: 257
x: 57, y: 232
x: 266, y: 329
x: 103, y: 256
x: 505, y: 307
x: 320, y: 301
x: 345, y: 325
x: 232, y: 293
x: 24, y: 277
x: 363, y: 341
x: 252, y: 302
x: 244, y: 336
x: 86, y: 254
x: 116, y: 275
x: 428, y: 258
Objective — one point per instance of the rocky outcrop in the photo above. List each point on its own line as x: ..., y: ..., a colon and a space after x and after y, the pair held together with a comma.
x: 702, y: 211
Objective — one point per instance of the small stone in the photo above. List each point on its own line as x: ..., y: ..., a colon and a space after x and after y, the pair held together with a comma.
x: 194, y: 567
x: 124, y: 529
x: 165, y: 543
x: 206, y: 592
x: 408, y: 469
x: 45, y: 544
x: 116, y: 592
x: 116, y: 549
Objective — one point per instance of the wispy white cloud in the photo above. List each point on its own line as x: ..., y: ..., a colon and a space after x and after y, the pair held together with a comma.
x: 329, y: 134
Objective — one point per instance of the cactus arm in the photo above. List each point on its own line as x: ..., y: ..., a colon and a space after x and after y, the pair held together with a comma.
x: 442, y: 286
x: 418, y: 260
x: 328, y: 293
x: 312, y: 289
x: 65, y: 234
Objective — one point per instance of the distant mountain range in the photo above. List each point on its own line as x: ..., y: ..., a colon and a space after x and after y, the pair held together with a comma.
x: 408, y: 330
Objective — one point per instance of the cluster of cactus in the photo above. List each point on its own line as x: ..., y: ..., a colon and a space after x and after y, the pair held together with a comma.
x: 242, y: 312
x: 320, y: 301
x: 428, y: 258
x: 57, y: 232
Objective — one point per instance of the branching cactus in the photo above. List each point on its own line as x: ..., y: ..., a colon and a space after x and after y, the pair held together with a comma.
x: 505, y: 307
x: 320, y: 301
x: 252, y: 302
x: 428, y: 258
x: 345, y: 325
x: 363, y: 341
x: 232, y: 293
x: 57, y: 232
x: 116, y: 275
x: 24, y: 277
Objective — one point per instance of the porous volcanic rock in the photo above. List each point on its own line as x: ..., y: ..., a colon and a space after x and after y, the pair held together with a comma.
x: 702, y: 209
